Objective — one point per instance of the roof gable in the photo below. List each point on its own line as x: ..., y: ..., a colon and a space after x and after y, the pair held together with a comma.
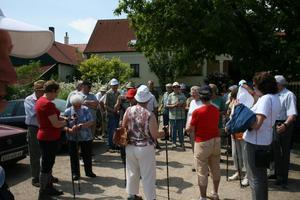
x: 65, y: 54
x: 111, y: 36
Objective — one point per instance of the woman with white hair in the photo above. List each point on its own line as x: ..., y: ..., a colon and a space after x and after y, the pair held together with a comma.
x: 79, y: 133
x: 142, y: 129
x: 195, y: 103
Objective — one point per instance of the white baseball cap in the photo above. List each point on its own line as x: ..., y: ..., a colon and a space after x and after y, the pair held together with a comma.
x: 143, y: 94
x: 29, y: 41
x: 114, y: 82
x: 242, y: 82
x: 175, y: 84
x: 280, y: 79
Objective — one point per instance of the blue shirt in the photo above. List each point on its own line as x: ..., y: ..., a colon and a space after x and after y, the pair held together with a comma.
x: 29, y: 104
x: 83, y: 116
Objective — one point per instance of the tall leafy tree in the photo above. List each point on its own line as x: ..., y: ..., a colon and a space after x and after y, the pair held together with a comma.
x: 98, y: 68
x: 258, y: 34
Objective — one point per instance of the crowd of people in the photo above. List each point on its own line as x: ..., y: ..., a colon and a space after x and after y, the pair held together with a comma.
x: 201, y: 114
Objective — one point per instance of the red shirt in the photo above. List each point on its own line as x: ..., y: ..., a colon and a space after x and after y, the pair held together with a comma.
x: 205, y: 120
x: 45, y: 108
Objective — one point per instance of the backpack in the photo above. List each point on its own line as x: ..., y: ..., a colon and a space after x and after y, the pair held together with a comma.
x: 242, y: 119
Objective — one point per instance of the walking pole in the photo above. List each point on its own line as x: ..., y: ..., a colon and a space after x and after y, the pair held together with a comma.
x: 77, y: 150
x: 165, y: 128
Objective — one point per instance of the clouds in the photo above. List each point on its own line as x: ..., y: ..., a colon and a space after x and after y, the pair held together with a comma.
x: 84, y: 26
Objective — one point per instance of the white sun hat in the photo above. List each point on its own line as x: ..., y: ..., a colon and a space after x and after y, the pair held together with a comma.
x: 143, y: 94
x: 28, y: 41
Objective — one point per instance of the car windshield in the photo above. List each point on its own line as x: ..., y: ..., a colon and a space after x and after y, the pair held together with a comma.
x: 60, y: 104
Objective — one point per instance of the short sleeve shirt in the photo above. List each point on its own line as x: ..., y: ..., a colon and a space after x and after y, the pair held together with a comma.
x: 205, y: 120
x: 83, y: 116
x: 45, y: 108
x: 288, y: 104
x: 178, y: 112
x: 269, y: 106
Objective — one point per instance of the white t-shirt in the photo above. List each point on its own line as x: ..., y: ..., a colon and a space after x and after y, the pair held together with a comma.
x: 193, y: 106
x: 266, y: 105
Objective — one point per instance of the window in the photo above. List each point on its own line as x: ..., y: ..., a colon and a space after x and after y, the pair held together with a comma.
x: 136, y: 70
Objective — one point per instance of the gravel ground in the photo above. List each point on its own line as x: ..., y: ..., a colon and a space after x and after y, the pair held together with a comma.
x: 109, y: 183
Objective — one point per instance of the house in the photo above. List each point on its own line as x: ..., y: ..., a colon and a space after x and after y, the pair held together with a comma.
x: 112, y: 38
x: 61, y: 61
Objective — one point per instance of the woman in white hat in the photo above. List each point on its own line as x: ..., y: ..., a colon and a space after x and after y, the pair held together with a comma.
x: 142, y: 130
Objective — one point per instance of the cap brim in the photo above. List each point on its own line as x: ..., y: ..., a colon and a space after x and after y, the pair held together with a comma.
x: 28, y: 41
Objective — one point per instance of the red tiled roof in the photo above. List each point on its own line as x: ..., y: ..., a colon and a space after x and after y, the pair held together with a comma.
x: 80, y: 47
x: 65, y: 54
x: 111, y: 36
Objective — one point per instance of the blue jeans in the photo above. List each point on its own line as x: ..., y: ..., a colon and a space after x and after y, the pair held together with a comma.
x: 112, y: 125
x: 177, y: 126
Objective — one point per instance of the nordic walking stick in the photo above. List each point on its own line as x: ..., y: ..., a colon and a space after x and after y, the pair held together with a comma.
x: 77, y: 150
x: 165, y: 128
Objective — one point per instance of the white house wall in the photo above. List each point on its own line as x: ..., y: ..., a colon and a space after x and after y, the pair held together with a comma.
x: 64, y: 71
x: 145, y: 73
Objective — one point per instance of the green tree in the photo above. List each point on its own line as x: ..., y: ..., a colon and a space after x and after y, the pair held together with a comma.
x: 98, y: 68
x: 258, y: 34
x: 29, y: 73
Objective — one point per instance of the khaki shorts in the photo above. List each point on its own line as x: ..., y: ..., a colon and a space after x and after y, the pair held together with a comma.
x: 207, y: 159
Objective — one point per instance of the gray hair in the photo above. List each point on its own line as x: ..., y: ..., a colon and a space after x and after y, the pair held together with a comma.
x: 76, y: 98
x: 196, y: 89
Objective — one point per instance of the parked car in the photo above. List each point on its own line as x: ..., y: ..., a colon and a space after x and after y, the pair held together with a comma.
x: 13, y: 144
x: 14, y: 115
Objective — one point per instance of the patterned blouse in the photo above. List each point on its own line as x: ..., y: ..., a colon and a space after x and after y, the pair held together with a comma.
x: 138, y: 126
x: 83, y: 116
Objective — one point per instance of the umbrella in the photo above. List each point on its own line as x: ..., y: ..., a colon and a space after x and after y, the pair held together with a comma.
x: 29, y: 41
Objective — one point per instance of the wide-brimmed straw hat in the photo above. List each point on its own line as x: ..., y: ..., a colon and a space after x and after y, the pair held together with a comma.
x: 29, y: 41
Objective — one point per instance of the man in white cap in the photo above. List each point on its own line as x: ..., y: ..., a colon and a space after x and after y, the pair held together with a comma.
x: 110, y: 101
x: 284, y: 130
x: 163, y: 106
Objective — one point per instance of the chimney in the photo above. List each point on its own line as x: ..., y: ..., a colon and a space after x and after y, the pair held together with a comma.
x: 66, y: 38
x: 52, y: 29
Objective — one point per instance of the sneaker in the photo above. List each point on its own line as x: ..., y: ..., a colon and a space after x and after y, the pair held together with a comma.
x: 234, y: 177
x: 214, y: 196
x: 135, y: 197
x: 245, y: 182
x: 202, y: 198
x: 173, y: 146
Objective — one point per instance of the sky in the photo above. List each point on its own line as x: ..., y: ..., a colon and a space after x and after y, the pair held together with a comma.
x: 77, y: 17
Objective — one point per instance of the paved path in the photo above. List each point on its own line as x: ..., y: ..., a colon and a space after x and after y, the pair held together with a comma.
x: 109, y: 184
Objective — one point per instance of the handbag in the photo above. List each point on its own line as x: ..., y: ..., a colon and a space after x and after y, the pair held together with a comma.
x: 241, y: 120
x: 262, y: 158
x: 120, y: 137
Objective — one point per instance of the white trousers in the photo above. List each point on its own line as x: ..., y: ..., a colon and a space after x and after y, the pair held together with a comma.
x: 140, y: 162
